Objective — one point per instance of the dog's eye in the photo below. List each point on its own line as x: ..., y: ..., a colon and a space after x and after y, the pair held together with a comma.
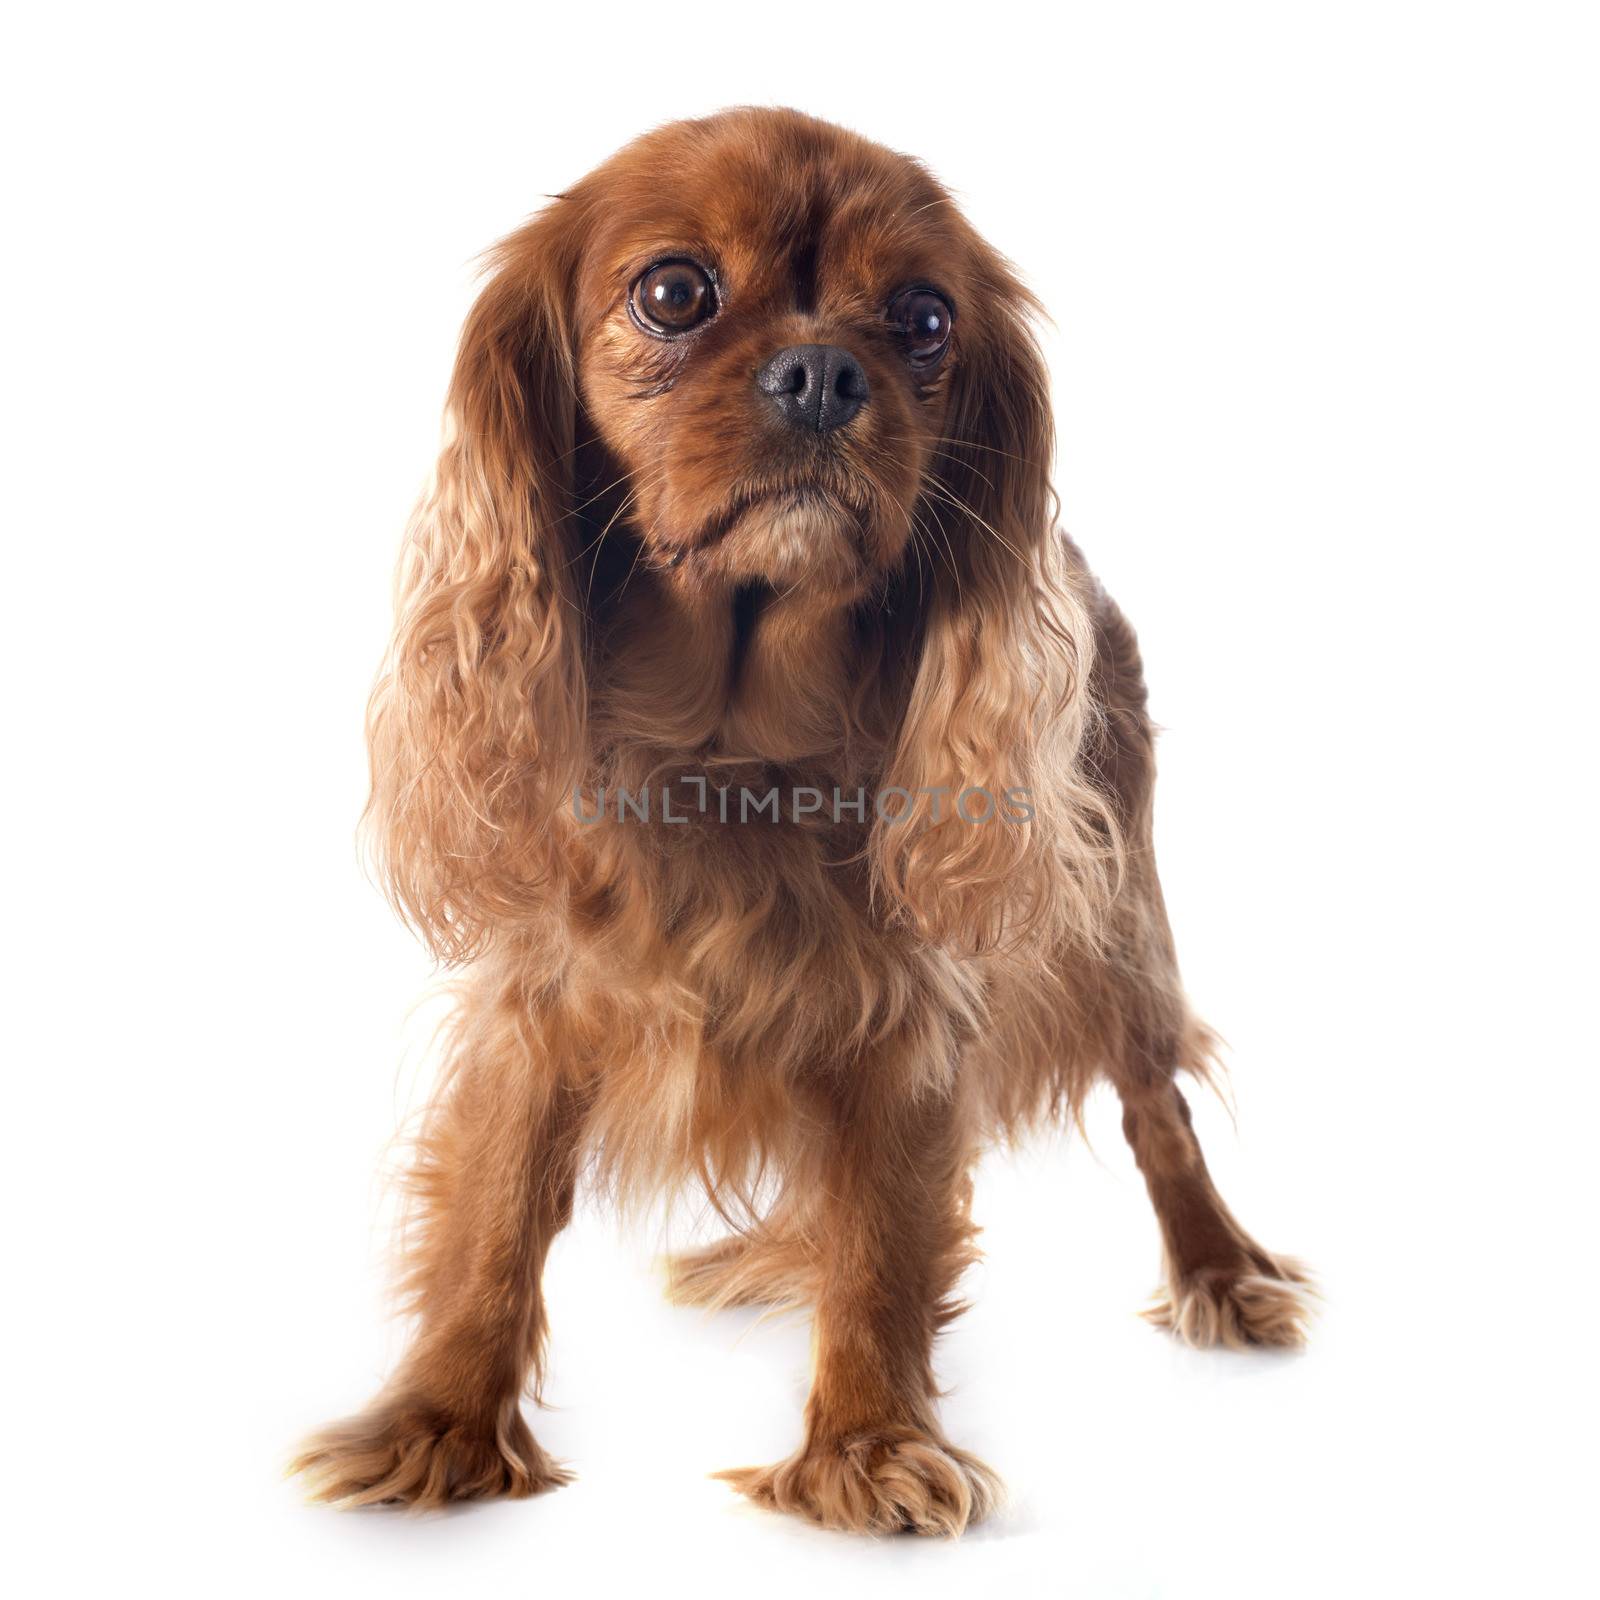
x: 673, y: 297
x: 922, y: 318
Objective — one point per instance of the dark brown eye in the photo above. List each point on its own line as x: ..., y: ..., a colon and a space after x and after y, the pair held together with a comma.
x: 922, y: 318
x: 673, y: 297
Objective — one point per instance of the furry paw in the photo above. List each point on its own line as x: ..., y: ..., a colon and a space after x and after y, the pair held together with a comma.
x: 740, y: 1271
x: 709, y: 1275
x: 406, y: 1452
x: 1240, y: 1308
x: 891, y: 1480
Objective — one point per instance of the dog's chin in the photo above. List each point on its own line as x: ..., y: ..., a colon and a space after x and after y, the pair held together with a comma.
x: 795, y: 540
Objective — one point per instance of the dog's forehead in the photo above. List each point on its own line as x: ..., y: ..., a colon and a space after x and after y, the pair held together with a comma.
x: 757, y: 204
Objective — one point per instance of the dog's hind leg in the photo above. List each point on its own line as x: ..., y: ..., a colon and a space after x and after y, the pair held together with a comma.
x: 1222, y: 1287
x: 772, y: 1264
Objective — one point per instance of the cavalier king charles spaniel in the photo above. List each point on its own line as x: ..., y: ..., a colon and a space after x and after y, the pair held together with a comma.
x: 781, y: 779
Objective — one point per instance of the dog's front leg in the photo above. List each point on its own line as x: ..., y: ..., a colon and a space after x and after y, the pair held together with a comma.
x: 494, y: 1184
x: 892, y: 1236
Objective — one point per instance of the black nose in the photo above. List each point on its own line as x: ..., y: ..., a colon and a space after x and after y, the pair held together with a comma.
x: 815, y: 386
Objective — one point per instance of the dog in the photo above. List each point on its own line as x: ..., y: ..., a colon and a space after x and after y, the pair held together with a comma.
x: 780, y: 778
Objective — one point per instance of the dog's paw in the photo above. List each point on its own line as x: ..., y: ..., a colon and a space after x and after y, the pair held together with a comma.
x: 1239, y: 1308
x: 405, y: 1452
x: 741, y: 1270
x: 711, y: 1276
x: 889, y: 1480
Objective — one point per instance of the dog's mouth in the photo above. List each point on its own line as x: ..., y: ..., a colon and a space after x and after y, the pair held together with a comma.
x: 785, y: 537
x: 769, y: 506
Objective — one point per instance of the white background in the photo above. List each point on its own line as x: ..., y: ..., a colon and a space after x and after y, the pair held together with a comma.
x: 1326, y: 358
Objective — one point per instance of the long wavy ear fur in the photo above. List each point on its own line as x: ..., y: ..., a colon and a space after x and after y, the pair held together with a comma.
x: 476, y: 726
x: 999, y: 697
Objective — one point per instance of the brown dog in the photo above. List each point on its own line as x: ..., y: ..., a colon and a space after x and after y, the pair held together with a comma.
x: 785, y: 779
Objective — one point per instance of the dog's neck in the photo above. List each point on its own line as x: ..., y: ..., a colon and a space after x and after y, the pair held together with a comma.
x: 732, y: 673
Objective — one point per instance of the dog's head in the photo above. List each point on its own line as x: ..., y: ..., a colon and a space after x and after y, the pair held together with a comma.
x: 752, y: 367
x: 778, y: 325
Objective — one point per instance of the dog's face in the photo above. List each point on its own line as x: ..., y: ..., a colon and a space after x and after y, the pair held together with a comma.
x: 771, y: 316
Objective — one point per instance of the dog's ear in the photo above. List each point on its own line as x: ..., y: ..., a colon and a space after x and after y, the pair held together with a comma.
x: 477, y: 724
x: 999, y: 695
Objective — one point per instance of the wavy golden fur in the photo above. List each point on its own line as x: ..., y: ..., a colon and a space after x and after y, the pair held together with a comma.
x: 769, y: 543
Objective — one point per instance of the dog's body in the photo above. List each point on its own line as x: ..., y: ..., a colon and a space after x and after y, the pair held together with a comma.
x: 665, y: 576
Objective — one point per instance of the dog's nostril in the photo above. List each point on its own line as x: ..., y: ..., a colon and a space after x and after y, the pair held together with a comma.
x: 792, y: 380
x: 814, y: 386
x: 850, y: 382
